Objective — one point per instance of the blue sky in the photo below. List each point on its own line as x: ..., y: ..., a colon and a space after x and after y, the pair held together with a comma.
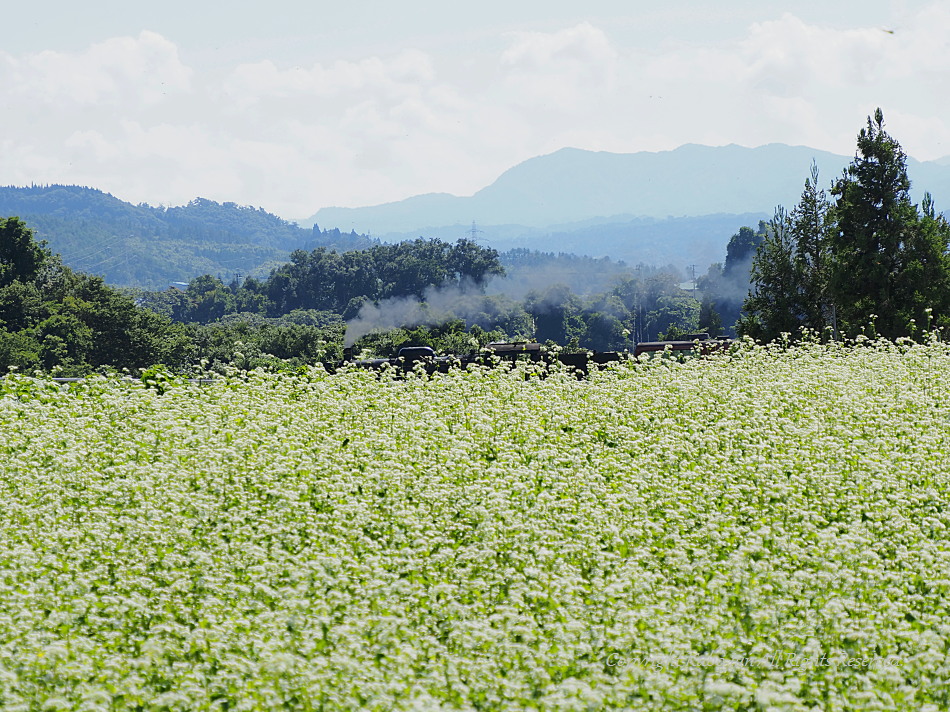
x: 293, y: 105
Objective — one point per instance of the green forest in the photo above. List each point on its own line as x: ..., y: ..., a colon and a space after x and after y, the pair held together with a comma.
x: 422, y: 292
x: 858, y: 259
x: 145, y: 246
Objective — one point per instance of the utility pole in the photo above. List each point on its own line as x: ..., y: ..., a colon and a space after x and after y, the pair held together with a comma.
x: 474, y: 232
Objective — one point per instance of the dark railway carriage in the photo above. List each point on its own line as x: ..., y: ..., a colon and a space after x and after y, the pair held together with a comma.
x: 688, y: 343
x: 581, y: 362
x: 410, y: 357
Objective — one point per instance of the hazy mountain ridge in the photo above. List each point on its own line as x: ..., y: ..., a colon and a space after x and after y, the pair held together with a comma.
x: 675, y: 207
x: 539, y: 202
x: 572, y: 184
x: 682, y: 241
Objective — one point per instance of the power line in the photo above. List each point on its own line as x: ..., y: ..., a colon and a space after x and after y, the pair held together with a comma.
x: 101, y: 262
x: 96, y: 250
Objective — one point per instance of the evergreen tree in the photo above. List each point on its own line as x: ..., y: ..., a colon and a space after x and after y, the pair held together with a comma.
x: 888, y: 263
x: 788, y: 272
x: 923, y: 286
x: 773, y: 305
x: 810, y: 226
x: 871, y: 258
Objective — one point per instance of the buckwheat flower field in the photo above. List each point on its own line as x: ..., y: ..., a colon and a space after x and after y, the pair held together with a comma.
x: 764, y: 530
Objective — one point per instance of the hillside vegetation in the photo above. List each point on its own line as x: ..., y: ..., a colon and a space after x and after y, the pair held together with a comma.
x: 424, y: 292
x: 54, y: 318
x: 151, y: 247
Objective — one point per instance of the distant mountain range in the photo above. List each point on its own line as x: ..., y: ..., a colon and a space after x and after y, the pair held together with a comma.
x: 677, y: 206
x: 673, y: 207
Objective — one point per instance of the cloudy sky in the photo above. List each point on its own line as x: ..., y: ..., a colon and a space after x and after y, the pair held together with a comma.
x: 294, y: 105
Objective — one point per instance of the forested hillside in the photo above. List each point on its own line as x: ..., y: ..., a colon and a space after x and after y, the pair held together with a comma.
x: 452, y: 297
x: 326, y: 280
x: 422, y: 292
x: 150, y: 247
x: 54, y: 318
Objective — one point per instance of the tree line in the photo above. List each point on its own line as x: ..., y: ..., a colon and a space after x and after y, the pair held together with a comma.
x: 425, y: 291
x: 56, y: 319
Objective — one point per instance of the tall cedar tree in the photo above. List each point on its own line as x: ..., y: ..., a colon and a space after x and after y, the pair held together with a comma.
x: 924, y: 284
x: 810, y: 226
x: 888, y: 263
x: 789, y: 270
x: 774, y: 304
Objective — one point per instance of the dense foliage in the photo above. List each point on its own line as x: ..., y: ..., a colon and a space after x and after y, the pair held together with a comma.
x: 433, y: 293
x: 423, y: 292
x: 869, y: 260
x: 765, y: 530
x: 151, y: 247
x: 52, y: 317
x: 726, y: 285
x: 326, y: 280
x: 248, y: 341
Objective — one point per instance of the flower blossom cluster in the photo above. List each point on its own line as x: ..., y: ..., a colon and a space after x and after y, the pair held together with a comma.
x: 483, y: 539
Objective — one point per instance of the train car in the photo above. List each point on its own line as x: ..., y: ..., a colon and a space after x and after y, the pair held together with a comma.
x: 686, y: 344
x: 409, y: 357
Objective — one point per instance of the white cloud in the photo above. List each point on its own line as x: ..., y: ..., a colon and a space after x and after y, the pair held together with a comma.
x: 129, y: 116
x: 582, y: 44
x: 786, y: 56
x: 791, y: 81
x: 372, y: 126
x: 836, y: 77
x: 560, y: 69
x: 394, y: 76
x: 137, y: 69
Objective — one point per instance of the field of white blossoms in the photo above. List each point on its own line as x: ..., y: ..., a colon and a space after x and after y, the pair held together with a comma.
x: 764, y: 530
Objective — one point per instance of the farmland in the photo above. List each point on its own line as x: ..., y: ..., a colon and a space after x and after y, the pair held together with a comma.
x: 760, y: 530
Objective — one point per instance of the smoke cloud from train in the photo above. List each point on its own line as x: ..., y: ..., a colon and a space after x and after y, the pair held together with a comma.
x: 551, y: 283
x: 438, y: 305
